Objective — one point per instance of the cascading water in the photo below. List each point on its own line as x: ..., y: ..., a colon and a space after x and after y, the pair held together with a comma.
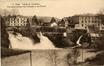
x: 20, y: 42
x: 78, y: 41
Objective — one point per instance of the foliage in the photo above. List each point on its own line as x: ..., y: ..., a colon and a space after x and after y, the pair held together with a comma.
x: 97, y: 60
x: 35, y: 21
x: 72, y: 57
x: 76, y: 34
x: 99, y: 43
x: 4, y: 35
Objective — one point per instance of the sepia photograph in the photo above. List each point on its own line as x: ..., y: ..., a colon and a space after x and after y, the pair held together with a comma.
x: 52, y: 32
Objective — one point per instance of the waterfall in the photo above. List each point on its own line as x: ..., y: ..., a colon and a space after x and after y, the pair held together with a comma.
x: 45, y: 43
x: 20, y: 42
x: 78, y: 41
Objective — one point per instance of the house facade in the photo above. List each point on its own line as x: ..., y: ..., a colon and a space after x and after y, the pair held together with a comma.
x: 83, y: 21
x: 15, y: 21
x: 64, y: 22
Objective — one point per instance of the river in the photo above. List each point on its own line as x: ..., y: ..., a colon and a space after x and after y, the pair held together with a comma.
x: 21, y: 42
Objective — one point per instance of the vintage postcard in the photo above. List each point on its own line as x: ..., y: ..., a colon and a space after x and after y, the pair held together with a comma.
x: 52, y: 32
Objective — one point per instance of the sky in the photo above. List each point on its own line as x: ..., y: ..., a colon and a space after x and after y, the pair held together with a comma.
x: 56, y: 8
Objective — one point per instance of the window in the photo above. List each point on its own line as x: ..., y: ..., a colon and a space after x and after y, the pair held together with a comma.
x: 102, y: 27
x: 85, y: 27
x: 95, y: 22
x: 89, y: 21
x: 98, y: 24
x: 82, y: 21
x: 93, y: 18
x: 92, y: 21
x: 82, y: 25
x: 83, y: 18
x: 17, y: 20
x: 85, y: 21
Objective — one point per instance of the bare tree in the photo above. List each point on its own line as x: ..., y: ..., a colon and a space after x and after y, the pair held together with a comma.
x: 14, y: 12
x: 72, y: 57
x: 52, y: 56
x: 4, y: 12
x: 101, y: 11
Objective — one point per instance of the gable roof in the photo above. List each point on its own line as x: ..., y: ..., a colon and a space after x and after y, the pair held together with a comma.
x: 47, y: 19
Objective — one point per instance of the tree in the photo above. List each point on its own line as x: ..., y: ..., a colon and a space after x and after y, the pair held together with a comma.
x: 31, y: 32
x: 52, y: 56
x: 73, y: 56
x: 75, y: 36
x: 4, y: 35
x: 28, y: 24
x: 99, y: 43
x: 100, y: 15
x: 14, y: 12
x: 5, y: 12
x: 35, y: 20
x: 101, y: 11
x: 28, y: 27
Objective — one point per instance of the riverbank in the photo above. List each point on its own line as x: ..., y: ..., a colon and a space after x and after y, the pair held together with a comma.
x: 49, y: 57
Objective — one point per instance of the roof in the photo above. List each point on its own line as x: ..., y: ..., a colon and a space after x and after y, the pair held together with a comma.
x: 47, y: 19
x: 15, y: 16
x: 88, y: 14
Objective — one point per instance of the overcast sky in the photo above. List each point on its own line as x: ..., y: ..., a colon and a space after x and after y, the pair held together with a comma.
x: 59, y: 8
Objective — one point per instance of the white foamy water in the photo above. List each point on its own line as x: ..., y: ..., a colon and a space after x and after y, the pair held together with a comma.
x: 20, y: 42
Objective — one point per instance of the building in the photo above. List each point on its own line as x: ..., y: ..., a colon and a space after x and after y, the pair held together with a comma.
x: 53, y: 22
x: 17, y: 21
x: 64, y: 22
x: 45, y: 21
x: 48, y: 21
x: 83, y: 21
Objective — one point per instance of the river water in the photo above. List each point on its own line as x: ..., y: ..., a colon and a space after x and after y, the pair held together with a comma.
x: 21, y: 42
